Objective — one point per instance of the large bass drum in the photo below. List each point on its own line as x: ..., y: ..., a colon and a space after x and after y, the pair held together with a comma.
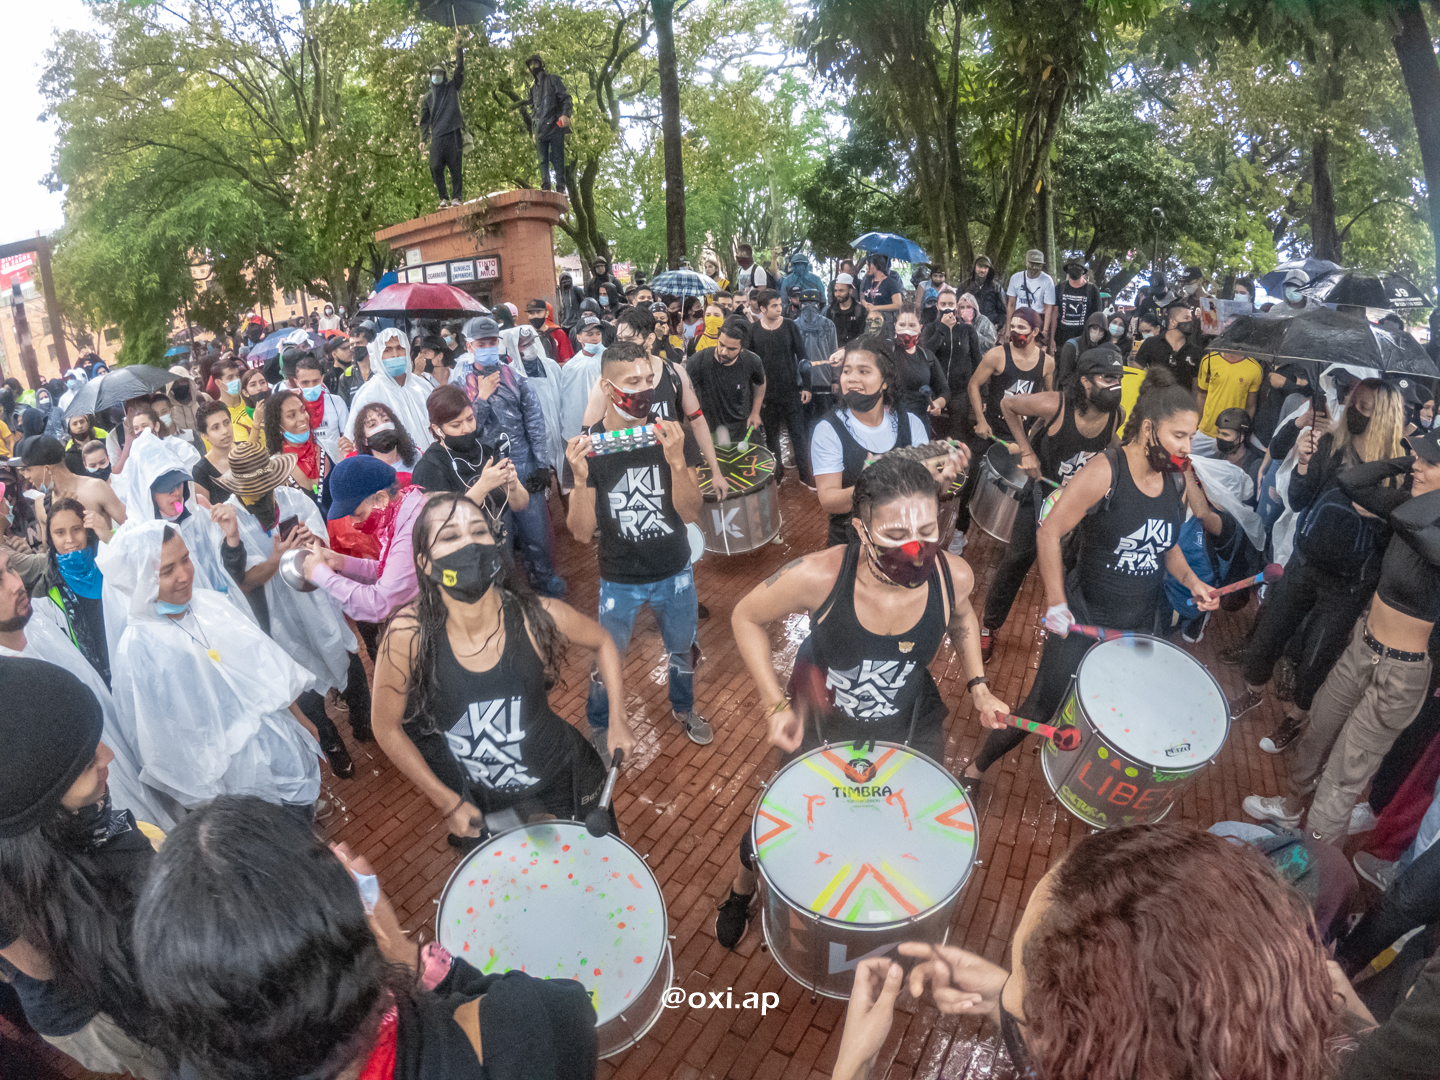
x: 858, y: 850
x: 749, y: 516
x: 997, y: 492
x: 1151, y: 718
x: 555, y: 902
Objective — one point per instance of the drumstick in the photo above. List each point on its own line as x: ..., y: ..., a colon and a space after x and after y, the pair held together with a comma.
x: 1063, y: 738
x: 1271, y: 574
x: 1100, y: 633
x: 597, y: 822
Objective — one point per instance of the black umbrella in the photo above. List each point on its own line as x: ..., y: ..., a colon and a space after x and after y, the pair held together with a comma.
x: 1383, y: 290
x: 116, y: 387
x: 1325, y: 336
x: 457, y: 12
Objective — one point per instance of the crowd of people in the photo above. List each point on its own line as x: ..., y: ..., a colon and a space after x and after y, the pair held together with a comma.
x: 191, y: 580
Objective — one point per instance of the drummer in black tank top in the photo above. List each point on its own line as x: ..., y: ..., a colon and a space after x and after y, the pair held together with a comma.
x: 1016, y: 366
x: 1074, y: 424
x: 1128, y: 507
x: 461, y: 683
x: 880, y: 609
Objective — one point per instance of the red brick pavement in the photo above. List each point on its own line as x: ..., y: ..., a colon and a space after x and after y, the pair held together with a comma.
x: 685, y: 807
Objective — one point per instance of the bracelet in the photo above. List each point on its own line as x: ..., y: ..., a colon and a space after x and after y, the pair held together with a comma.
x: 977, y: 679
x: 455, y: 807
x: 779, y: 706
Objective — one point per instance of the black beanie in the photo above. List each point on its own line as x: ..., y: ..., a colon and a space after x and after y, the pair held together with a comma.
x: 50, y: 725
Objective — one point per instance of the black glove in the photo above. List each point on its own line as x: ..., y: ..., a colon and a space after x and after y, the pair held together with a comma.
x: 539, y: 480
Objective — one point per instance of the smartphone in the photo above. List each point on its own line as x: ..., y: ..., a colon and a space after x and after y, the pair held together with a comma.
x: 288, y: 526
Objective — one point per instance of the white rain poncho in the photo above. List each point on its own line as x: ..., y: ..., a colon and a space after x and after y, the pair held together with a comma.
x: 1227, y: 486
x: 205, y: 726
x: 309, y: 626
x: 47, y: 639
x: 408, y: 401
x: 151, y: 458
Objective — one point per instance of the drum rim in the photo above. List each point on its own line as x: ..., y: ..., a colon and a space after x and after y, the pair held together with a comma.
x: 474, y: 853
x: 709, y: 495
x: 811, y: 914
x: 1127, y: 755
x: 1011, y: 484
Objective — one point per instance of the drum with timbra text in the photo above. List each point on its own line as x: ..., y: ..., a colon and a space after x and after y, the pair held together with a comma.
x: 555, y: 902
x: 1151, y: 718
x: 859, y: 848
x: 749, y: 516
x: 997, y: 492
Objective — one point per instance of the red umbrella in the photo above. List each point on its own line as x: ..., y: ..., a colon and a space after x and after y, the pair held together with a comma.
x: 422, y: 302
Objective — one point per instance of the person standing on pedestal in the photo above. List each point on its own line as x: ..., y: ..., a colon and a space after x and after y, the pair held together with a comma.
x: 549, y: 115
x: 442, y: 123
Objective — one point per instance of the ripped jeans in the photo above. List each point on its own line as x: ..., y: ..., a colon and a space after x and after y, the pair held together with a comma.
x: 676, y: 608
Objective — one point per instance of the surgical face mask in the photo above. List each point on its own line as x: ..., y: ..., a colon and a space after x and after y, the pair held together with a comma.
x: 1096, y: 333
x: 592, y: 348
x: 311, y: 393
x: 1117, y: 330
x: 296, y: 440
x: 436, y: 78
x: 163, y: 608
x: 395, y: 366
x: 487, y: 356
x: 1292, y: 294
x: 604, y: 300
x: 1356, y: 422
x: 859, y: 401
x: 233, y: 388
x: 167, y: 420
x: 467, y: 574
x: 898, y: 563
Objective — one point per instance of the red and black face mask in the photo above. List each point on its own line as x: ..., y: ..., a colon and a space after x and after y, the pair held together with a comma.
x: 1161, y: 460
x: 636, y: 406
x: 908, y: 565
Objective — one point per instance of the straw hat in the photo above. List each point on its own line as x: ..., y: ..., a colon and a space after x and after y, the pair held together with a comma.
x: 253, y: 472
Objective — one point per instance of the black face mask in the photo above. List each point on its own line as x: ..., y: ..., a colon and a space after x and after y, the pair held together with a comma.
x: 384, y: 442
x: 1161, y: 460
x: 463, y: 444
x: 100, y: 474
x: 467, y: 574
x: 856, y: 401
x: 1226, y: 447
x: 256, y: 399
x: 264, y: 510
x: 1106, y: 399
x: 538, y: 321
x: 1355, y: 421
x: 181, y: 393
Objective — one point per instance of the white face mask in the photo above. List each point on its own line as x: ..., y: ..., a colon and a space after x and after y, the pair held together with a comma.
x: 436, y: 78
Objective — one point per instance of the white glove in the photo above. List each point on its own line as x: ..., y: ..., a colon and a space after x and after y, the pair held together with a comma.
x: 1058, y: 619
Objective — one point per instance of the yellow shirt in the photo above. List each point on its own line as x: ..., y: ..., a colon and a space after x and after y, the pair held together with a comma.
x: 240, y: 420
x: 1130, y: 380
x: 1226, y: 386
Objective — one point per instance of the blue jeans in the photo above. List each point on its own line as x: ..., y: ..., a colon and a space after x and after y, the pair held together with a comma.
x: 535, y: 546
x: 676, y: 608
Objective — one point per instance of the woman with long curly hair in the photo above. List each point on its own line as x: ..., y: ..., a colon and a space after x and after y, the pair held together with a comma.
x: 1156, y: 951
x: 379, y: 433
x: 462, y: 678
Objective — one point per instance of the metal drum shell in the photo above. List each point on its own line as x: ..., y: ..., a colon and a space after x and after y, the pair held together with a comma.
x: 750, y: 517
x: 800, y: 939
x: 629, y: 1026
x: 996, y: 498
x: 1149, y: 792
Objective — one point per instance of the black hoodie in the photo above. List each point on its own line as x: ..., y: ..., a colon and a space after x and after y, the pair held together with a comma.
x: 1070, y: 352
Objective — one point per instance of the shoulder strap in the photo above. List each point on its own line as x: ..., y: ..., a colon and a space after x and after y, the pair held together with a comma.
x: 949, y: 585
x: 847, y: 573
x: 902, y: 428
x: 1112, y: 455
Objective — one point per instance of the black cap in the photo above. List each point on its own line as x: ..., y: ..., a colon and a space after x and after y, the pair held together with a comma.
x: 1074, y: 266
x: 1426, y: 446
x: 1411, y: 390
x: 1101, y: 360
x: 1237, y: 420
x: 40, y: 760
x: 39, y: 450
x: 1192, y: 273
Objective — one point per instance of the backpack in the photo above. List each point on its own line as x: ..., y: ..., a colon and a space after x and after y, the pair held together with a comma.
x: 818, y: 334
x: 1337, y: 539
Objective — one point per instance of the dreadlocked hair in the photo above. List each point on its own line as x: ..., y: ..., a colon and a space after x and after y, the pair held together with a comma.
x: 431, y: 615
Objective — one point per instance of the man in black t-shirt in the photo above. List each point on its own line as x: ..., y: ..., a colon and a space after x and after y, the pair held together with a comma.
x: 1079, y: 299
x: 781, y: 348
x: 642, y: 501
x: 730, y: 383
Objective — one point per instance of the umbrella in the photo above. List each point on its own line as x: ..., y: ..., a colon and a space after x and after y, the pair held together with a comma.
x: 176, y: 350
x: 897, y: 247
x: 457, y: 12
x: 682, y: 283
x: 116, y: 387
x: 422, y: 302
x: 1314, y: 267
x: 269, y: 346
x: 1382, y: 290
x: 1325, y: 336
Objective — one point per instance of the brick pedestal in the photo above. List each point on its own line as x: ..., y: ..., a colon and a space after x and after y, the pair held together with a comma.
x: 498, y: 248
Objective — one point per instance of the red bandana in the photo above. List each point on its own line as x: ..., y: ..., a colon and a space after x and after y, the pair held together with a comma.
x: 380, y: 1065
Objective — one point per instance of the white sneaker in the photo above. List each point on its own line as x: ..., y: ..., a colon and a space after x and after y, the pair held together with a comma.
x: 1378, y: 872
x: 957, y: 546
x: 1271, y: 808
x: 1362, y: 819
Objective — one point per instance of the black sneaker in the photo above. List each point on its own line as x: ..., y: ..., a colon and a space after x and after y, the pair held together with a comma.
x: 1286, y: 733
x: 733, y: 918
x: 1245, y: 702
x: 1233, y: 655
x: 361, y: 731
x: 987, y: 644
x: 339, y: 758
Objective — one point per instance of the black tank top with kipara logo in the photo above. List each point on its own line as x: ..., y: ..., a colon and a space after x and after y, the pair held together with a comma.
x: 1010, y: 380
x: 873, y: 686
x: 1062, y: 454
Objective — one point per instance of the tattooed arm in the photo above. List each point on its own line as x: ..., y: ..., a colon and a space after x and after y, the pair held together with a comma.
x: 801, y: 585
x: 965, y: 636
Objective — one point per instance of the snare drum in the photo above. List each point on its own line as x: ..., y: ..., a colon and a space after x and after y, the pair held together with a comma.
x: 750, y: 515
x: 858, y: 851
x: 1150, y: 718
x: 997, y: 494
x: 555, y: 902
